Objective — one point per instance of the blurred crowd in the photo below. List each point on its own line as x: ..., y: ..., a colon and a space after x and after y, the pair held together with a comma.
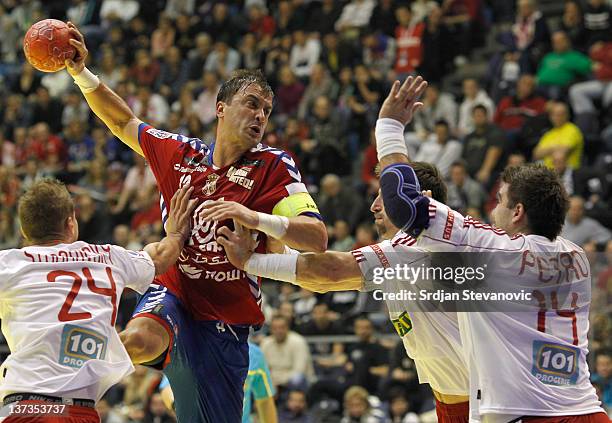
x: 545, y: 95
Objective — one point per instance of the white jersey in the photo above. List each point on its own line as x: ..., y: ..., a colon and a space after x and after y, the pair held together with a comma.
x: 58, y: 306
x: 523, y: 363
x: 430, y: 338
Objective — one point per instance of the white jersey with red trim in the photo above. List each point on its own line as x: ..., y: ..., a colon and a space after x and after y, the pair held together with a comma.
x: 530, y: 362
x: 431, y: 339
x: 58, y: 306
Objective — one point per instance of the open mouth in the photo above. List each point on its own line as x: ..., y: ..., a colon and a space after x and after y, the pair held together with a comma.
x: 255, y: 130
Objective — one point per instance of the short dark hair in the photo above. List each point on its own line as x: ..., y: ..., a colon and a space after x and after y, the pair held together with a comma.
x: 479, y: 107
x: 442, y: 122
x: 240, y: 79
x: 44, y: 209
x: 430, y: 179
x: 541, y: 192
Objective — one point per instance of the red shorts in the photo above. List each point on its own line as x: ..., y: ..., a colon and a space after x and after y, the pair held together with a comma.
x: 453, y: 413
x: 587, y: 418
x: 69, y: 414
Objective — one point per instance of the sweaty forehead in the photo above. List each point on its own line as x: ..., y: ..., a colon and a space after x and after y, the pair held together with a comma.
x: 257, y: 91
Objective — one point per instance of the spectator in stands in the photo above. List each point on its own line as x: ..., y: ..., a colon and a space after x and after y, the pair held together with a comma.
x: 355, y: 16
x: 145, y: 69
x: 440, y: 149
x: 402, y: 377
x: 383, y: 18
x: 434, y: 64
x: 364, y: 235
x: 289, y: 93
x: 357, y: 407
x: 530, y: 34
x: 197, y: 56
x: 223, y: 60
x: 304, y: 54
x: 343, y: 240
x: 152, y: 107
x: 408, y: 35
x: 572, y: 23
x: 48, y: 110
x: 185, y: 32
x: 324, y: 17
x: 107, y: 414
x: 399, y: 410
x: 320, y: 84
x: 561, y: 67
x: 327, y: 356
x: 436, y: 106
x: 603, y: 375
x: 483, y: 148
x: 338, y: 202
x: 472, y: 96
x: 378, y: 54
x: 597, y: 22
x: 222, y: 25
x: 367, y: 361
x: 288, y: 356
x: 290, y: 16
x: 163, y: 37
x: 10, y: 36
x: 583, y: 95
x: 205, y: 104
x: 260, y: 24
x: 157, y: 411
x: 173, y: 74
x: 465, y: 194
x: 251, y: 54
x: 113, y: 11
x: 564, y: 136
x: 337, y: 54
x: 581, y: 229
x: 295, y: 409
x: 513, y: 111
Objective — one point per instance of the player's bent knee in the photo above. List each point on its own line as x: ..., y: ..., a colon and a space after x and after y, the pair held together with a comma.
x: 404, y: 203
x: 145, y: 340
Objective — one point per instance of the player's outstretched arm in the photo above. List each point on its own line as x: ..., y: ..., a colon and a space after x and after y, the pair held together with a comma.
x: 396, y: 112
x: 318, y: 272
x: 104, y: 102
x: 300, y: 232
x: 165, y: 252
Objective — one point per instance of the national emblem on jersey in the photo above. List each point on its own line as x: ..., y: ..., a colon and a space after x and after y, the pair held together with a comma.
x: 210, y: 186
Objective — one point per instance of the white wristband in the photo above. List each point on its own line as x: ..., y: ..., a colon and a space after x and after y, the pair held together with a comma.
x: 389, y: 137
x: 86, y: 81
x: 275, y: 226
x: 289, y: 250
x: 280, y: 267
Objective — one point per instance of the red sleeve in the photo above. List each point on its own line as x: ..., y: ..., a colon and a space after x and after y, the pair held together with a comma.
x: 159, y: 148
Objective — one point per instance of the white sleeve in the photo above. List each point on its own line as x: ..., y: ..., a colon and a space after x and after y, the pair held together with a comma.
x: 450, y: 231
x: 374, y: 259
x: 138, y: 267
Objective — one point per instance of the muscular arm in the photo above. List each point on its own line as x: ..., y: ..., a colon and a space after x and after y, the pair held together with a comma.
x: 165, y: 252
x: 116, y: 115
x: 104, y: 102
x: 329, y: 271
x: 306, y: 233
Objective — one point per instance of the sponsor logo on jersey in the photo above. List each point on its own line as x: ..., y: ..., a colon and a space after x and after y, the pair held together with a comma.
x: 402, y: 324
x: 80, y: 345
x: 381, y: 256
x: 448, y: 228
x: 239, y: 176
x: 158, y: 133
x: 210, y: 186
x: 183, y: 169
x: 555, y: 364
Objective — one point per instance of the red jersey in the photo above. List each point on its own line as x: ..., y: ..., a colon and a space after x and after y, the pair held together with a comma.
x: 208, y: 285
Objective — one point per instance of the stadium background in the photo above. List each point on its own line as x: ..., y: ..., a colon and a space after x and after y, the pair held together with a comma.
x: 330, y: 64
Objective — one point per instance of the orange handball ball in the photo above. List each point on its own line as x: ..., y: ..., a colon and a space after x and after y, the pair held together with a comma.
x: 46, y: 45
